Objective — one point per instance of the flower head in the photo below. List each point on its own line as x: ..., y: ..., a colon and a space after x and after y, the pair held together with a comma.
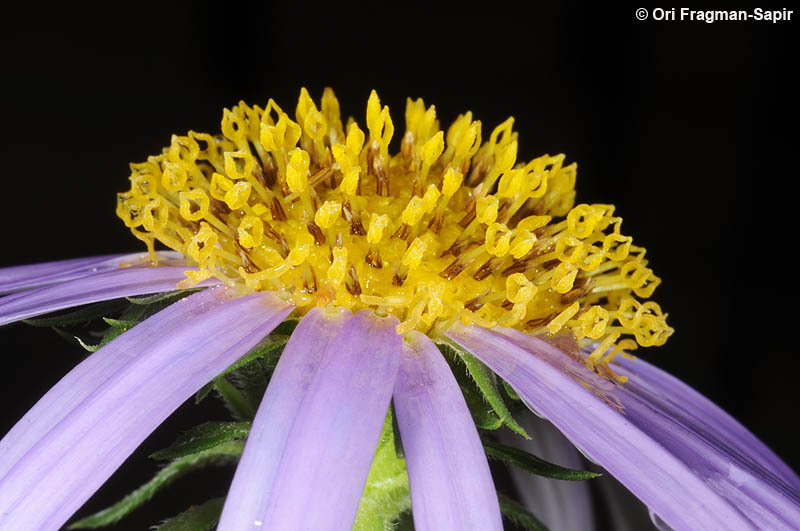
x: 399, y: 271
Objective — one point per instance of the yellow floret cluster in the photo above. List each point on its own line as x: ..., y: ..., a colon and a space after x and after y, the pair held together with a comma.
x: 449, y: 228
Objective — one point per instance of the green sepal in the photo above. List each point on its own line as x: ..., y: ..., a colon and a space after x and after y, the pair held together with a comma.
x: 386, y: 494
x: 286, y: 328
x: 530, y: 463
x: 222, y: 454
x: 82, y: 315
x: 202, y: 437
x: 485, y: 380
x: 203, y: 517
x: 518, y: 514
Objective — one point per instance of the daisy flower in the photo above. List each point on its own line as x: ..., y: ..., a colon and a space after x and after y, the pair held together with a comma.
x: 411, y: 299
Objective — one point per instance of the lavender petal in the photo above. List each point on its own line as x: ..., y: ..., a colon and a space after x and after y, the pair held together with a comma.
x: 17, y: 278
x: 61, y: 470
x: 560, y: 505
x: 330, y: 448
x: 97, y: 287
x: 690, y: 479
x: 702, y: 414
x: 252, y: 485
x: 451, y: 485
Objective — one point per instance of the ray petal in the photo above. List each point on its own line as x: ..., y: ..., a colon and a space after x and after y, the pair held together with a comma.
x: 62, y: 469
x: 331, y: 445
x: 451, y: 486
x: 252, y: 485
x: 686, y: 477
x: 17, y: 278
x: 94, y: 288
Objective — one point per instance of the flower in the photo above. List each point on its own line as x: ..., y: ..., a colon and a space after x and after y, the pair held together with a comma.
x: 397, y: 267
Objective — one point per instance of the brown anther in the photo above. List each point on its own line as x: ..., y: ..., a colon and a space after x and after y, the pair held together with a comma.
x: 491, y: 265
x: 469, y: 216
x: 541, y: 321
x: 507, y: 305
x: 373, y: 258
x: 458, y: 247
x: 276, y: 209
x: 248, y: 264
x: 356, y: 227
x: 320, y: 177
x: 581, y: 288
x: 435, y: 225
x: 480, y: 167
x: 284, y: 246
x: 269, y: 171
x: 399, y: 276
x: 258, y: 173
x: 316, y: 232
x: 402, y: 232
x: 502, y: 210
x: 453, y: 270
x: 475, y: 303
x: 351, y: 282
x: 551, y: 264
x: 381, y: 177
x: 218, y: 208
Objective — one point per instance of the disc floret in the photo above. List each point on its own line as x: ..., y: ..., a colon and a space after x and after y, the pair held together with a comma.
x: 449, y: 229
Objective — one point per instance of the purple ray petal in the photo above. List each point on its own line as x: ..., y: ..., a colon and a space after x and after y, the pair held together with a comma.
x: 330, y: 448
x: 451, y: 486
x: 688, y: 478
x: 68, y: 463
x: 251, y: 489
x: 98, y: 287
x: 703, y: 414
x: 560, y: 505
x: 17, y: 278
x: 81, y: 382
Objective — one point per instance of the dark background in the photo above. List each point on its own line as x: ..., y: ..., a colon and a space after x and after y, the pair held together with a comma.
x: 689, y: 128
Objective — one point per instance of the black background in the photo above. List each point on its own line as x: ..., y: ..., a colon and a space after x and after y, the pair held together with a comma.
x: 689, y: 128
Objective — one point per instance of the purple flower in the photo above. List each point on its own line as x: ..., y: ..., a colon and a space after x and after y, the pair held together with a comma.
x: 393, y: 287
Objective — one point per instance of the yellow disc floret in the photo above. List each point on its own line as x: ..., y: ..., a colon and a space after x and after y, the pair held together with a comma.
x: 449, y: 229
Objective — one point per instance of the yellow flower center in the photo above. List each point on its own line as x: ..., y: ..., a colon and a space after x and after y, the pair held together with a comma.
x: 450, y: 228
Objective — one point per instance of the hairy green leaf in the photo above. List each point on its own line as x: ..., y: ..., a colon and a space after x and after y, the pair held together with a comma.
x: 485, y: 380
x: 222, y: 454
x: 530, y: 463
x: 166, y: 296
x: 387, y: 493
x: 515, y: 512
x: 203, y: 517
x: 203, y: 437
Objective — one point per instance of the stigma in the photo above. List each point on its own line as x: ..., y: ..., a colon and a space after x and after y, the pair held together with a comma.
x: 451, y: 227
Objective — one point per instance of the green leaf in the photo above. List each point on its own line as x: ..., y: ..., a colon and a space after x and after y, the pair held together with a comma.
x: 515, y: 512
x: 286, y: 327
x: 270, y: 348
x: 203, y: 437
x: 238, y: 404
x: 386, y: 494
x: 201, y: 517
x: 510, y: 391
x: 222, y: 454
x: 81, y: 315
x: 485, y: 380
x: 166, y: 296
x: 531, y: 463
